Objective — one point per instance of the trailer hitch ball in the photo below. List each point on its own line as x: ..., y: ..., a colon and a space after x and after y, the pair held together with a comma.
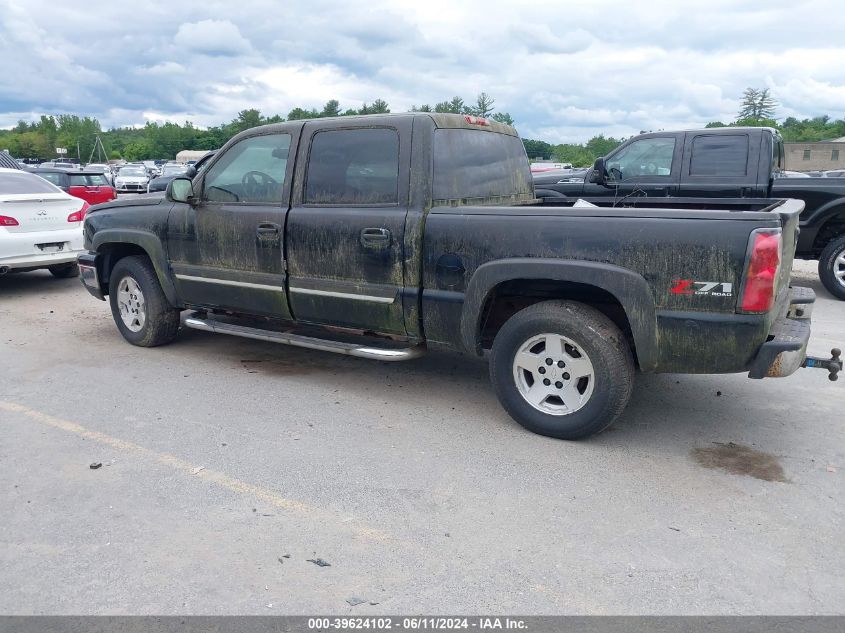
x: 833, y: 364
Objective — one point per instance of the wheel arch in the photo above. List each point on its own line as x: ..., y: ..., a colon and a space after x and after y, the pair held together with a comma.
x: 112, y: 246
x: 832, y: 225
x: 594, y: 283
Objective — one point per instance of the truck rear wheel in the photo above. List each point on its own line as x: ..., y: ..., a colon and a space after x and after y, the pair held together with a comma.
x: 562, y: 369
x: 832, y: 267
x: 138, y: 305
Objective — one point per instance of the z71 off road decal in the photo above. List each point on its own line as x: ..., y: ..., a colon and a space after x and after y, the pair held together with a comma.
x: 710, y: 288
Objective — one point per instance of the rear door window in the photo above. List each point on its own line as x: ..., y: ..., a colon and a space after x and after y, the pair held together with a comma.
x: 719, y: 155
x: 354, y: 167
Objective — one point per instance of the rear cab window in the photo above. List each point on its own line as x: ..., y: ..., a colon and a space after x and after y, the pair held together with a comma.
x: 479, y: 167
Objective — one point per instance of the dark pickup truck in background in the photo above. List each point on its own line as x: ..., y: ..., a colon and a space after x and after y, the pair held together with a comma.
x: 383, y: 236
x: 733, y: 162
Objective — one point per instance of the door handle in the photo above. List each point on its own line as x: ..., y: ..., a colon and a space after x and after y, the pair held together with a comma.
x: 375, y: 238
x: 268, y: 230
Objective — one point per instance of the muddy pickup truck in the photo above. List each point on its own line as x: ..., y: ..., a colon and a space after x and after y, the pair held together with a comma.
x: 386, y: 236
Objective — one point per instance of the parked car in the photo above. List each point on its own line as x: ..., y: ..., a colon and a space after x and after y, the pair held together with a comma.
x: 131, y: 178
x: 7, y: 162
x: 92, y: 187
x: 40, y: 225
x: 58, y: 177
x: 382, y: 236
x: 835, y: 173
x: 719, y: 163
x: 174, y: 170
x: 100, y: 168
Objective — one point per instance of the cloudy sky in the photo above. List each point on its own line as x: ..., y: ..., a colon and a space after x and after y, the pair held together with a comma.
x: 564, y: 70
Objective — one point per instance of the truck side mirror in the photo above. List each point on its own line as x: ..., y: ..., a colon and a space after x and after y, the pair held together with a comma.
x: 180, y: 190
x: 191, y: 171
x: 599, y: 173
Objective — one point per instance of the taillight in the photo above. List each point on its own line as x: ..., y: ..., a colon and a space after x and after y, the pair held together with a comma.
x: 78, y: 216
x: 476, y: 120
x: 759, y: 290
x: 5, y: 220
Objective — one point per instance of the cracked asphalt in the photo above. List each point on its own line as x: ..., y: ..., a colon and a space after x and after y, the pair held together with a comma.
x: 229, y: 466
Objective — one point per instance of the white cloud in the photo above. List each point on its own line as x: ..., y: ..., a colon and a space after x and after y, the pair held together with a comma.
x: 211, y: 37
x: 565, y: 71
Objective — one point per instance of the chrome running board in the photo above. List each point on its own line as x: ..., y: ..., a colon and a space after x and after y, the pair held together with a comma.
x: 350, y: 349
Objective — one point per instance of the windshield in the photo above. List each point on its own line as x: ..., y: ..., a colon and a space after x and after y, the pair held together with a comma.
x: 172, y: 170
x: 12, y: 183
x: 133, y: 172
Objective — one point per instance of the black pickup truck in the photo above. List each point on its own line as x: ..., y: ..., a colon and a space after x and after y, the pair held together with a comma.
x: 733, y: 162
x: 383, y: 236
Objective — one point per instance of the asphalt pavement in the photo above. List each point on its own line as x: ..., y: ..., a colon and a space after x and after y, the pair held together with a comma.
x: 238, y: 477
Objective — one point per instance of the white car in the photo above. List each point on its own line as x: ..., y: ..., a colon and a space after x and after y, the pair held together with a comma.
x: 131, y: 178
x: 40, y: 225
x: 100, y: 168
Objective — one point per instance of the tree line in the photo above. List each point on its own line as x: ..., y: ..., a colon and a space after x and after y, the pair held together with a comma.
x: 38, y: 139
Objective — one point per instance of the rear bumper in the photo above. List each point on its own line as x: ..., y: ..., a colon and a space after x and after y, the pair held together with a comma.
x: 37, y: 249
x: 786, y: 348
x: 88, y: 275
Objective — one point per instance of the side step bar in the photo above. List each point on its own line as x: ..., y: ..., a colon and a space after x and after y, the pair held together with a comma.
x: 374, y: 353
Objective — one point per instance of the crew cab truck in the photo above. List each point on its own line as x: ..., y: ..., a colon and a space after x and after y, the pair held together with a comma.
x: 733, y: 162
x: 388, y: 235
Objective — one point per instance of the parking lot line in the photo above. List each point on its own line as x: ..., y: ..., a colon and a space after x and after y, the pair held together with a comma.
x: 194, y: 470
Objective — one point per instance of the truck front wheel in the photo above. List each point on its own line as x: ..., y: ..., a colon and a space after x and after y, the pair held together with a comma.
x: 138, y: 305
x: 832, y: 267
x: 562, y: 369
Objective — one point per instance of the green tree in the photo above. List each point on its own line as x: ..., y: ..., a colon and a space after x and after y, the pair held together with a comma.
x: 757, y: 104
x: 503, y: 117
x: 766, y: 105
x: 483, y: 105
x: 300, y: 113
x: 247, y: 119
x: 379, y: 107
x: 537, y: 149
x: 748, y: 106
x: 455, y: 106
x: 332, y: 108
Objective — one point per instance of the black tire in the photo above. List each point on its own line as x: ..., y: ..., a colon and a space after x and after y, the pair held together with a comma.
x: 828, y: 267
x: 604, y: 346
x: 65, y: 271
x: 161, y: 320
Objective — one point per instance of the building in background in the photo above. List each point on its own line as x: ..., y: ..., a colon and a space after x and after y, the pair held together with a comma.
x: 819, y: 156
x: 187, y: 155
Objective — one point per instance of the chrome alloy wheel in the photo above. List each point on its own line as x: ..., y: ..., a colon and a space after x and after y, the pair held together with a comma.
x: 553, y: 374
x: 839, y: 268
x: 130, y: 301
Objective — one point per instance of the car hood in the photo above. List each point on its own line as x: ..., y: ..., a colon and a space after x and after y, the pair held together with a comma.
x: 138, y: 201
